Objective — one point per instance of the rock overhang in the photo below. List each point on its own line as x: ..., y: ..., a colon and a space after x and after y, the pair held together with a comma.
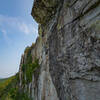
x: 43, y: 10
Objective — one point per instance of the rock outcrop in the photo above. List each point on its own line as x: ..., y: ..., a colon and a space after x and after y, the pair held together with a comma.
x: 67, y: 49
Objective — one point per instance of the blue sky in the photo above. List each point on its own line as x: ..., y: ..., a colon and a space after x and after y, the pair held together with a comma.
x: 17, y: 30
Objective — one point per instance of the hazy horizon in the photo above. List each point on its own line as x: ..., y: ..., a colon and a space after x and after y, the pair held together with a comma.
x: 17, y: 30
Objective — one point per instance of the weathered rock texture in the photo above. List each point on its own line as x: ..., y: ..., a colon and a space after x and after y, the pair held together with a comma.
x: 68, y: 50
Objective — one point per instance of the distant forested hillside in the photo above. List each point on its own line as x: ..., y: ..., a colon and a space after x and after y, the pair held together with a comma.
x: 9, y: 89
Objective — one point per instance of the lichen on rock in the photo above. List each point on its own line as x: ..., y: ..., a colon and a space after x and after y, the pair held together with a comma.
x: 43, y: 10
x: 68, y: 49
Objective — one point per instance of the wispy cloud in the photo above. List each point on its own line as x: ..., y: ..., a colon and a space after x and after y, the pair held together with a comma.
x: 7, y: 39
x: 15, y: 23
x: 27, y: 29
x: 24, y: 28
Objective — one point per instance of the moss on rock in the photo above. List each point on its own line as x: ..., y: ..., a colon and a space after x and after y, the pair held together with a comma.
x: 43, y: 10
x: 50, y: 3
x: 29, y: 66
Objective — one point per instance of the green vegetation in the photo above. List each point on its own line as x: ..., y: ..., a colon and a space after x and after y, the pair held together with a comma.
x: 40, y: 30
x: 4, y: 83
x: 15, y: 94
x: 67, y: 4
x: 59, y: 26
x: 96, y: 25
x: 9, y: 89
x: 29, y: 67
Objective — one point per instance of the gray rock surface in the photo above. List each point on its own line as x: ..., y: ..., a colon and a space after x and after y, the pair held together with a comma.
x: 68, y: 50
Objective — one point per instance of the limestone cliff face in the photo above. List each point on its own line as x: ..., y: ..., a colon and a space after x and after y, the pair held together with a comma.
x: 68, y: 50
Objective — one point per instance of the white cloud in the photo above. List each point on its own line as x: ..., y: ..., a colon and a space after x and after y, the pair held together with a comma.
x: 15, y: 23
x: 7, y: 39
x: 5, y: 34
x: 27, y: 29
x: 24, y: 28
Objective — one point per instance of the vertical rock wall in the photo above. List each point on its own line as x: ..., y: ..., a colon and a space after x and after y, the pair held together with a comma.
x: 68, y: 49
x: 74, y: 48
x: 41, y: 87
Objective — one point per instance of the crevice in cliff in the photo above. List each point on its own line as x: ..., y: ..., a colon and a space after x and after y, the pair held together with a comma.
x: 82, y: 13
x: 96, y: 4
x: 61, y: 51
